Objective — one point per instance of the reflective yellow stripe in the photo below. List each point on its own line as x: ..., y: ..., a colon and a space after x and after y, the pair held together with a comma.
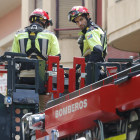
x: 120, y: 137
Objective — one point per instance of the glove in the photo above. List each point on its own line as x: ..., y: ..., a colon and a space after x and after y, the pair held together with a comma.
x: 80, y: 39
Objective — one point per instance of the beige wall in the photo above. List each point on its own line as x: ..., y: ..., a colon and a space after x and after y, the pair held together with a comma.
x: 10, y: 22
x: 9, y: 25
x: 122, y: 14
x: 123, y: 24
x: 69, y: 49
x: 50, y: 6
x: 90, y: 4
x: 27, y: 8
x: 111, y: 2
x: 104, y: 14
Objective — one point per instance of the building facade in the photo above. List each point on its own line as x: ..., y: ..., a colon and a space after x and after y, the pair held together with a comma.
x: 121, y: 19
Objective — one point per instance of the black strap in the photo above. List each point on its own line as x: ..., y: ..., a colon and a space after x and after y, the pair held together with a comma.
x: 33, y: 30
x: 35, y: 50
x: 40, y: 44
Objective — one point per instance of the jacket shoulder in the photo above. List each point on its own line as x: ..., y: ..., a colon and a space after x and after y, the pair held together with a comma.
x: 47, y: 31
x: 20, y: 32
x: 93, y: 26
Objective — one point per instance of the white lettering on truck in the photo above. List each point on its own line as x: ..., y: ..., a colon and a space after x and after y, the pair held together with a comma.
x: 71, y: 108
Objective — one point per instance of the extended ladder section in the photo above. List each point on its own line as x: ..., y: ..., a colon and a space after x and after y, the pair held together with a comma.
x: 77, y: 111
x: 106, y: 81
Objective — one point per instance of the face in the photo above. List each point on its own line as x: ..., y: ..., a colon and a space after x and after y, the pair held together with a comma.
x: 81, y: 22
x: 44, y: 21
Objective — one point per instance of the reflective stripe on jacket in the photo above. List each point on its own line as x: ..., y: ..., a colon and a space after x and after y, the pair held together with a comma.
x: 46, y: 42
x: 94, y: 39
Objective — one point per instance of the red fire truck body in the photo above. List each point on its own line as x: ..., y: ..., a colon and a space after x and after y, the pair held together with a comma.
x: 78, y: 114
x: 107, y: 109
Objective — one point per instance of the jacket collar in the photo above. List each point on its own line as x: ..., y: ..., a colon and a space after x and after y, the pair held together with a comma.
x: 91, y: 23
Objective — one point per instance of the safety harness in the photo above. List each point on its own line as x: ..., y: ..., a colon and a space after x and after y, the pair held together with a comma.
x: 33, y: 30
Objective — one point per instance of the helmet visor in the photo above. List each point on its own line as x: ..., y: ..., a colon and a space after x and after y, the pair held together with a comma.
x: 73, y: 14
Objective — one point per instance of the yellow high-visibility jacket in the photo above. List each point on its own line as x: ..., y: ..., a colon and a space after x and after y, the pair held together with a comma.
x: 94, y: 40
x: 45, y: 42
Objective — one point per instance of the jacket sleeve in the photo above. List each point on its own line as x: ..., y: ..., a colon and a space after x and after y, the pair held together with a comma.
x: 54, y: 50
x: 93, y: 40
x: 94, y: 43
x: 15, y: 46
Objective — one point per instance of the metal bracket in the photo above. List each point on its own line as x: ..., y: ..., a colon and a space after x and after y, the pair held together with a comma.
x: 88, y: 135
x: 34, y: 27
x: 50, y: 73
x: 7, y: 101
x: 83, y: 75
x: 55, y: 134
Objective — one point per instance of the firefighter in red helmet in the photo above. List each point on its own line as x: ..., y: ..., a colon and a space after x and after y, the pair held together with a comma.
x: 35, y: 35
x: 37, y: 42
x: 93, y: 42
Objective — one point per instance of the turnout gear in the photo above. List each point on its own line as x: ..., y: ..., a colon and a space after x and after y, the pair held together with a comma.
x: 39, y: 15
x: 77, y: 11
x: 94, y: 41
x: 35, y: 37
x: 36, y: 42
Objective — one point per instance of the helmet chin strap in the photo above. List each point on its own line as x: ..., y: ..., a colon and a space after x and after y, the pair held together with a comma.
x: 42, y: 24
x: 88, y: 21
x: 88, y: 24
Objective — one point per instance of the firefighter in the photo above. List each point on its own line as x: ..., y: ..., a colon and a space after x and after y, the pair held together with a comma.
x: 92, y: 39
x: 36, y: 42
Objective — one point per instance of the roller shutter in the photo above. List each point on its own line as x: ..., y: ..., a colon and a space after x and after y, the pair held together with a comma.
x: 39, y: 4
x: 64, y: 8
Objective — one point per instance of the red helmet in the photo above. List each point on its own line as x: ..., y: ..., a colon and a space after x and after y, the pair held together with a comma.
x: 77, y: 11
x: 38, y: 15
